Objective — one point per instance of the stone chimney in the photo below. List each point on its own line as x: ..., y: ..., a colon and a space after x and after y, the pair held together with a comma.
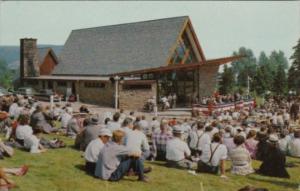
x: 29, y: 61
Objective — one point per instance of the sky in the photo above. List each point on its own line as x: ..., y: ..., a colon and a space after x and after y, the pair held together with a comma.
x: 221, y: 26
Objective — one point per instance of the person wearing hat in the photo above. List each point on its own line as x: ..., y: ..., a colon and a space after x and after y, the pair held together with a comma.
x: 116, y: 160
x: 91, y: 131
x: 93, y: 149
x: 273, y: 160
x: 294, y: 145
x: 177, y: 151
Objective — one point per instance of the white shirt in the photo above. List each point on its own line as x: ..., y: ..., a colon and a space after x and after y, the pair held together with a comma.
x: 144, y: 125
x: 220, y: 154
x: 176, y: 149
x: 12, y: 109
x: 214, y: 131
x: 23, y: 131
x: 93, y: 149
x: 154, y: 124
x: 283, y: 144
x: 32, y: 142
x: 137, y: 141
x: 65, y: 118
x: 294, y: 147
x: 194, y: 136
x: 112, y: 126
x: 204, y: 140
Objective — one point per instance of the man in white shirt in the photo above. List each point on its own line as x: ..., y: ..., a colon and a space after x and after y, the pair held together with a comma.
x: 93, y: 149
x: 204, y: 139
x: 65, y: 118
x: 195, y: 136
x: 177, y: 151
x: 114, y: 125
x: 294, y: 145
x: 137, y: 141
x: 154, y: 125
x: 213, y: 157
x: 144, y: 125
x: 32, y: 142
x: 23, y: 129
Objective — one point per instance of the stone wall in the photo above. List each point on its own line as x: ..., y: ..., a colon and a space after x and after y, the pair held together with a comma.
x: 207, y: 80
x: 135, y: 99
x: 103, y: 96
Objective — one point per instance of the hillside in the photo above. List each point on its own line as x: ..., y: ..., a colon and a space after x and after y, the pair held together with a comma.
x: 11, y: 54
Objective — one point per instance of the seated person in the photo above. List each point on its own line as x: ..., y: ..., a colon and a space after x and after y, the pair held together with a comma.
x: 23, y: 129
x: 137, y: 141
x: 178, y: 151
x: 274, y: 160
x: 84, y: 109
x: 251, y: 143
x: 115, y: 160
x: 38, y: 120
x: 240, y: 157
x: 213, y: 157
x: 159, y: 141
x: 93, y: 149
x: 32, y: 142
x: 5, y: 182
x: 73, y: 126
x: 294, y: 145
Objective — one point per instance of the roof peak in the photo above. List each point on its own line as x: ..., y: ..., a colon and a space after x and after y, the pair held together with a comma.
x: 167, y: 18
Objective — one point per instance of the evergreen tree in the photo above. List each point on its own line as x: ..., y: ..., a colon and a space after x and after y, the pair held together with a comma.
x: 244, y: 67
x: 259, y: 83
x: 294, y: 71
x: 227, y: 81
x: 280, y: 81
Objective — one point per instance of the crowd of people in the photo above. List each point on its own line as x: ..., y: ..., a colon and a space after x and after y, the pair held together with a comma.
x: 116, y: 144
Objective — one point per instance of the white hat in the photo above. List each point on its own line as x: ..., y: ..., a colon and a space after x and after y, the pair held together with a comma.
x: 105, y: 132
x: 177, y: 129
x: 273, y: 138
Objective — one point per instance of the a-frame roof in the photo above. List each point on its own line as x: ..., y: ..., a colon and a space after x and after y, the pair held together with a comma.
x: 43, y: 52
x: 119, y: 48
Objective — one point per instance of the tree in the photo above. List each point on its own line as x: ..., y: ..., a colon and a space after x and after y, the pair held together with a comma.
x: 5, y: 75
x: 227, y: 81
x: 244, y: 67
x: 294, y: 71
x: 259, y: 84
x: 280, y: 81
x: 266, y: 75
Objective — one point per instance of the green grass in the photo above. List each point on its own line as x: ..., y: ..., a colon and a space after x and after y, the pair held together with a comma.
x: 60, y: 170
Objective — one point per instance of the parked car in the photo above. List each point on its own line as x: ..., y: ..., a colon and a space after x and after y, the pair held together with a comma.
x: 3, y: 92
x: 45, y: 94
x: 28, y: 91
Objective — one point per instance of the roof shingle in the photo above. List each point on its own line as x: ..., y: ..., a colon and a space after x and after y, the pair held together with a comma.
x: 119, y: 48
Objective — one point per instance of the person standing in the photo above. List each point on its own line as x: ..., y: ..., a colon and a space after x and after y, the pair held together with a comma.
x: 294, y: 111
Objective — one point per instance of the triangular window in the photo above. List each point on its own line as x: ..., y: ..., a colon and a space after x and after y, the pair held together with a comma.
x: 184, y: 53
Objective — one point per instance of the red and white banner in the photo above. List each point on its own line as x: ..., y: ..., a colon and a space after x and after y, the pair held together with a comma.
x: 223, y: 107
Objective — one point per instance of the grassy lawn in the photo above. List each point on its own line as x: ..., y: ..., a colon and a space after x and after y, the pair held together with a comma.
x: 60, y: 170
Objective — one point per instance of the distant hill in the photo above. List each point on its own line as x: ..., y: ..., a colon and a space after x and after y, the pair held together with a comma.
x: 11, y: 54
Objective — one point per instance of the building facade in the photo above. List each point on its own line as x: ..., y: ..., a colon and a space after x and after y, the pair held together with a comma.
x: 152, y: 58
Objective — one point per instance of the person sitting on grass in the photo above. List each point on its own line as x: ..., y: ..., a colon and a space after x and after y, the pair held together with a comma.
x: 23, y: 129
x: 32, y: 142
x: 116, y: 160
x: 5, y: 182
x: 274, y: 160
x: 178, y: 151
x: 137, y: 141
x: 93, y: 149
x: 294, y: 145
x: 213, y: 157
x: 240, y: 157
